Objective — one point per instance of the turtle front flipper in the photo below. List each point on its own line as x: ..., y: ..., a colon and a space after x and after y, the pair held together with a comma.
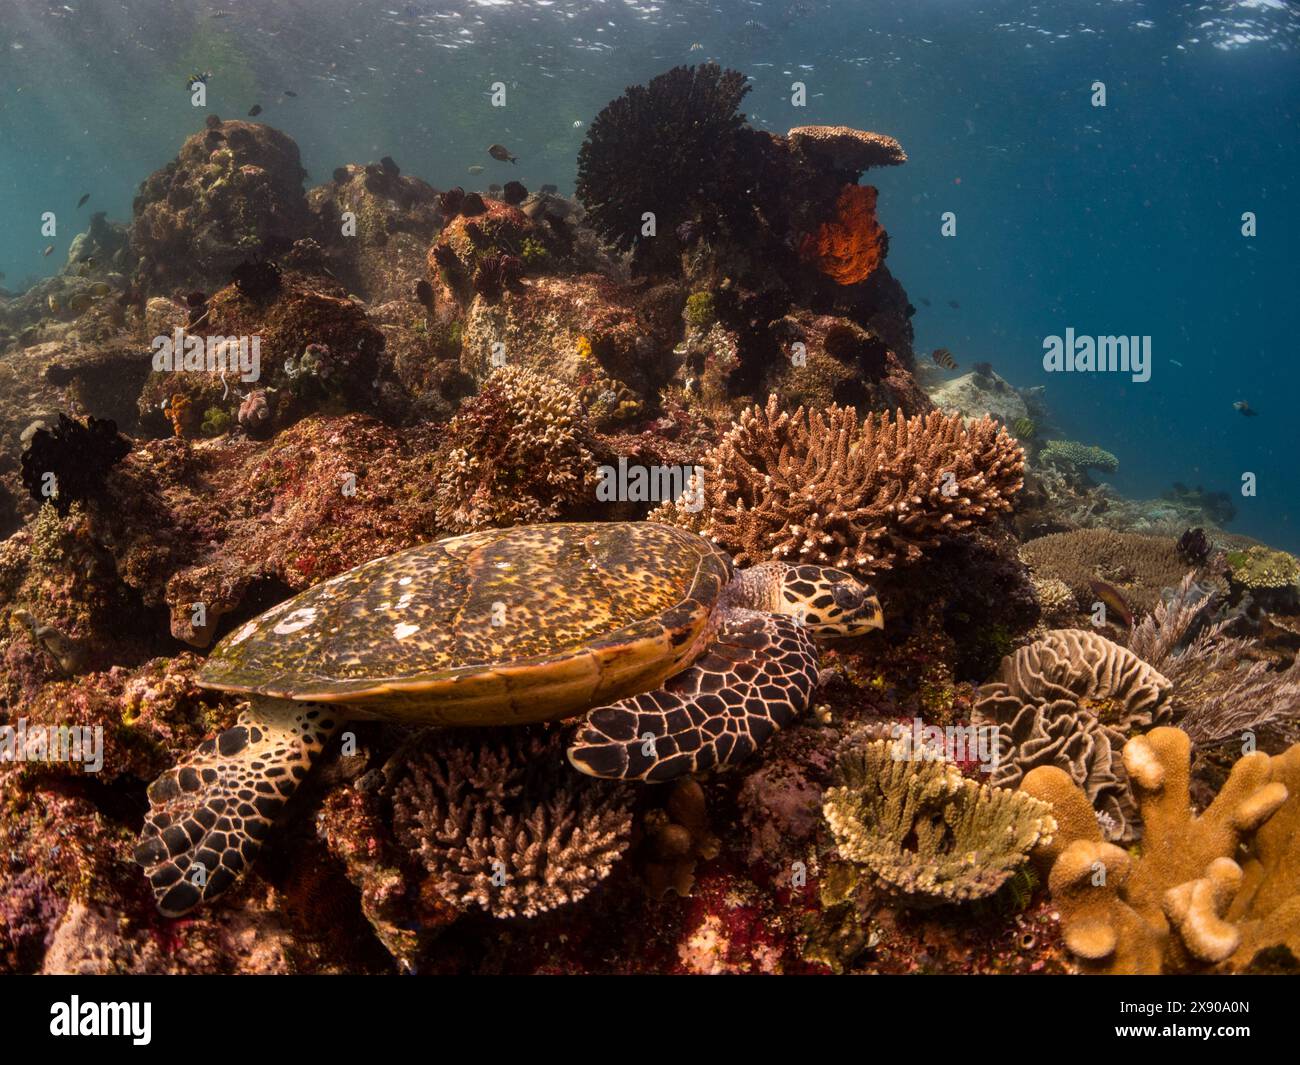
x: 210, y: 813
x: 757, y: 676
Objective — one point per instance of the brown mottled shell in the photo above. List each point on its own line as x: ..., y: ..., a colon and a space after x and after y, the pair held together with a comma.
x: 498, y: 627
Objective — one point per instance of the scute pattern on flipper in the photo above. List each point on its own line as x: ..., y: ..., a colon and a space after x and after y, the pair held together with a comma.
x: 497, y: 597
x: 217, y: 805
x: 757, y: 677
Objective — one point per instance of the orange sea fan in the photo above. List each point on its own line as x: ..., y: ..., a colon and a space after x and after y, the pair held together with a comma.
x: 850, y: 248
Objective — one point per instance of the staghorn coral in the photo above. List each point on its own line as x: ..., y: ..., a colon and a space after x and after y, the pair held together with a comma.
x: 1138, y: 566
x: 846, y: 148
x: 1079, y: 456
x: 502, y: 823
x: 1071, y: 699
x: 516, y: 454
x: 1183, y: 903
x: 924, y: 830
x: 823, y: 487
x: 853, y: 246
x: 687, y: 121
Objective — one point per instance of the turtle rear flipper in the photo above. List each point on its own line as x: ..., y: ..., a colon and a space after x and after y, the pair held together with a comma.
x: 758, y: 675
x: 209, y: 814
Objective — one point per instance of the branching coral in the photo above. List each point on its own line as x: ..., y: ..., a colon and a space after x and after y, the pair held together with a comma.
x: 823, y: 487
x: 686, y: 120
x: 515, y: 454
x: 1138, y: 566
x: 926, y: 831
x: 1070, y: 700
x: 1184, y: 903
x: 504, y: 824
x: 850, y: 248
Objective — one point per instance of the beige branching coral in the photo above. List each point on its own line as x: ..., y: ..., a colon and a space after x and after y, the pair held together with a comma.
x: 516, y: 453
x: 1184, y: 903
x: 924, y: 830
x: 1140, y: 567
x: 1071, y: 699
x: 501, y: 822
x: 822, y: 486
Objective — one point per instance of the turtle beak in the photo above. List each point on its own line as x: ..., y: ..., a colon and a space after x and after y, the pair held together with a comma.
x: 872, y: 617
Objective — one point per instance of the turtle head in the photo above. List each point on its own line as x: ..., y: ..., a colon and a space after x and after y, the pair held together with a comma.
x: 829, y: 601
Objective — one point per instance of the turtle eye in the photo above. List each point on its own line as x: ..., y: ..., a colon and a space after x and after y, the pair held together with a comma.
x: 848, y: 595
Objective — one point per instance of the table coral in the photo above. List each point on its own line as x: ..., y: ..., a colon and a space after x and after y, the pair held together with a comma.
x: 850, y: 248
x: 1184, y: 903
x: 822, y: 486
x: 924, y: 829
x: 847, y: 148
x: 1139, y: 566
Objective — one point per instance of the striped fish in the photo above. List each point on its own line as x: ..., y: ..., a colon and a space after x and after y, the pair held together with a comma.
x: 943, y: 357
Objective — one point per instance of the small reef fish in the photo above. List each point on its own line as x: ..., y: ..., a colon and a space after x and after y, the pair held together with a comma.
x: 100, y: 289
x: 1115, y: 603
x: 1244, y: 409
x: 47, y: 251
x: 954, y: 305
x: 578, y: 123
x: 255, y: 110
x: 200, y: 76
x: 501, y: 153
x: 943, y: 357
x: 697, y: 47
x: 82, y: 202
x: 290, y: 93
x: 1176, y: 363
x: 476, y: 169
x: 53, y: 303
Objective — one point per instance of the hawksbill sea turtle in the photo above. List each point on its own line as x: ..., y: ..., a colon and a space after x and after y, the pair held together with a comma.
x: 680, y: 661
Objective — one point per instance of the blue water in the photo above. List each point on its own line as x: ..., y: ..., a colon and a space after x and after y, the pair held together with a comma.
x: 1117, y: 220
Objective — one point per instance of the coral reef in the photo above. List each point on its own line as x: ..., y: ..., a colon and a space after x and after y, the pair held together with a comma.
x: 506, y: 825
x: 926, y: 831
x: 1184, y: 903
x: 1260, y: 567
x: 232, y: 190
x: 825, y: 487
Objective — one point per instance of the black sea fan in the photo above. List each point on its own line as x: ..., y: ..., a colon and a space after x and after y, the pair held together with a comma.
x: 668, y: 147
x: 70, y: 461
x: 256, y: 277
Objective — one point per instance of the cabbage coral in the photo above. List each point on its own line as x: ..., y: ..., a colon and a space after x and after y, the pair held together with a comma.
x: 823, y: 487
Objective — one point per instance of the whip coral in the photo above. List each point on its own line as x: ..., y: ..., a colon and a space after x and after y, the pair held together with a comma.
x: 823, y: 487
x: 853, y: 246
